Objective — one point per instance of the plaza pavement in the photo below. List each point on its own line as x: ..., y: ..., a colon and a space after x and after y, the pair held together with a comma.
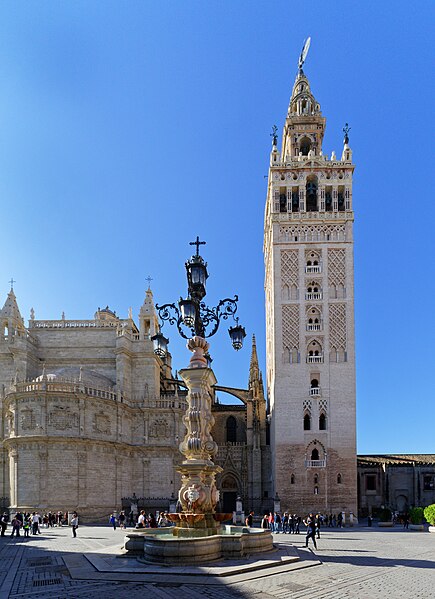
x: 358, y: 563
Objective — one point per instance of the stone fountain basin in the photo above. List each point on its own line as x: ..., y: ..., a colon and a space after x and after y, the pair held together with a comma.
x: 160, y: 546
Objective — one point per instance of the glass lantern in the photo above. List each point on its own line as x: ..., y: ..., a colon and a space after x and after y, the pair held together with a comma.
x: 160, y: 344
x: 237, y: 334
x: 188, y: 312
x: 196, y: 276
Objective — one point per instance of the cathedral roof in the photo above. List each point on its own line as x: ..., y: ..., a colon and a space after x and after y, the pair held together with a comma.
x: 76, y: 374
x: 397, y: 459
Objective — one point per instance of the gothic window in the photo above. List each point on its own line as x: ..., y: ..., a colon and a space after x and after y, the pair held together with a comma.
x: 315, y: 454
x: 313, y: 319
x: 328, y: 199
x: 285, y: 292
x: 338, y: 479
x: 340, y: 198
x: 282, y: 202
x: 322, y: 422
x: 314, y: 349
x: 295, y: 199
x: 305, y: 143
x: 313, y: 291
x: 316, y: 479
x: 316, y: 490
x: 307, y: 422
x: 294, y: 356
x: 231, y: 429
x: 292, y: 479
x: 311, y: 191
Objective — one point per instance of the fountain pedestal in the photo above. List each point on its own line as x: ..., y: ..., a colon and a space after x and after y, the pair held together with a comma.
x: 198, y: 535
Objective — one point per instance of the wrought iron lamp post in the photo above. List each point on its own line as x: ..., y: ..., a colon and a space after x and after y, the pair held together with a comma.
x: 196, y: 321
x: 192, y: 316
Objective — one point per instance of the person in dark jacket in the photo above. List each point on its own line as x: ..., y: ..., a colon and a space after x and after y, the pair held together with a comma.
x: 310, y: 523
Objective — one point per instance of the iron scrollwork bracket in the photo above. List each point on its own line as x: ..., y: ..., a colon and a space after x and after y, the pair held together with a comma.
x: 171, y: 314
x: 225, y: 308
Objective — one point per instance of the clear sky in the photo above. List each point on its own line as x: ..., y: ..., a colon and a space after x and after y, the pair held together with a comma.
x: 128, y: 128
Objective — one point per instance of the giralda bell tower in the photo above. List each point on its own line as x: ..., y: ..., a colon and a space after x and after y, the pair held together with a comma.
x: 308, y: 253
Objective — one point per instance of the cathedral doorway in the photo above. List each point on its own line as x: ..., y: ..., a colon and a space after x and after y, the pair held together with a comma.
x: 229, y: 492
x: 229, y: 501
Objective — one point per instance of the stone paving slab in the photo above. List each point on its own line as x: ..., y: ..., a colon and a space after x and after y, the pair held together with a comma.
x: 354, y: 564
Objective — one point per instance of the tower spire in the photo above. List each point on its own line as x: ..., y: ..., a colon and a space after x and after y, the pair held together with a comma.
x: 10, y: 315
x: 254, y: 369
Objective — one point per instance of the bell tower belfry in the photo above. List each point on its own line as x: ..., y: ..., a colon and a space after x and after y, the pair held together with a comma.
x: 308, y: 253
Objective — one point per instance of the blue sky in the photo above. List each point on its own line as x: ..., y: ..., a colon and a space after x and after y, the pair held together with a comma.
x: 128, y: 128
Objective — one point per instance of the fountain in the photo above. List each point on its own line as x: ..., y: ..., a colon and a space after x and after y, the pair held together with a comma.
x: 198, y: 534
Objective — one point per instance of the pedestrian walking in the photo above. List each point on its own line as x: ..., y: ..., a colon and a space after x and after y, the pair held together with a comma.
x: 318, y: 522
x: 3, y: 524
x: 16, y: 525
x: 310, y: 523
x: 297, y: 521
x: 249, y: 520
x: 74, y: 524
x: 35, y: 523
x: 112, y: 520
x: 265, y: 521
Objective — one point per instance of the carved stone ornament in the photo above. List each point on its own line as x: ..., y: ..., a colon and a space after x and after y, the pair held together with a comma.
x: 61, y: 418
x: 102, y: 423
x: 11, y: 422
x: 198, y: 346
x: 28, y: 419
x: 159, y: 429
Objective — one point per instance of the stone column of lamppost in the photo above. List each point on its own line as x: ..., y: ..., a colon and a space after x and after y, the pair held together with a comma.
x: 198, y: 493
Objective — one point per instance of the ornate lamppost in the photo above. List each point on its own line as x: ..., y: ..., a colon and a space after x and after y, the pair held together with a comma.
x: 196, y: 321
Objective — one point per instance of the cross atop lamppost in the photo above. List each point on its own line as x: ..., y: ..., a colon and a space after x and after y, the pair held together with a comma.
x: 197, y: 243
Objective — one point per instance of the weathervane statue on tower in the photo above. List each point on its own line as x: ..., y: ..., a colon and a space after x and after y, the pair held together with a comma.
x: 304, y: 52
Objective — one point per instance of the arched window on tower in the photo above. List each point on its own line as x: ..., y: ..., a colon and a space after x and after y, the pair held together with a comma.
x: 322, y: 422
x: 231, y: 429
x: 315, y: 454
x: 315, y: 354
x: 328, y: 199
x: 340, y: 197
x: 295, y: 199
x: 307, y: 422
x: 292, y: 479
x: 313, y: 319
x: 316, y: 479
x: 305, y: 145
x: 338, y: 479
x: 311, y: 193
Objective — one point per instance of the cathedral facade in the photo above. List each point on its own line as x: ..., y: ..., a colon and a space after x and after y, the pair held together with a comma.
x: 92, y: 417
x: 308, y: 253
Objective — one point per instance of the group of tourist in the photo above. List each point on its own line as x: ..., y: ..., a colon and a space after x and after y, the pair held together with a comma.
x: 31, y: 523
x: 288, y: 523
x: 151, y: 521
